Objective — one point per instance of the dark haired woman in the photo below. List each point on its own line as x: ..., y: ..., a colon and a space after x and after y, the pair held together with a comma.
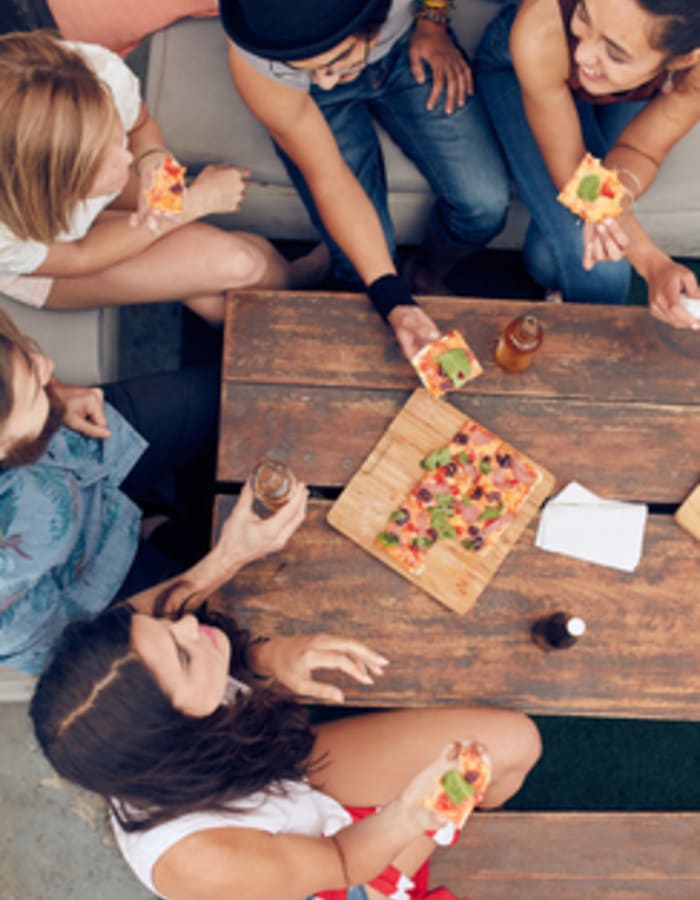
x: 620, y: 78
x: 218, y: 786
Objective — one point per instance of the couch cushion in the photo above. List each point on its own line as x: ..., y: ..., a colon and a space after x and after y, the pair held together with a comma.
x: 190, y: 93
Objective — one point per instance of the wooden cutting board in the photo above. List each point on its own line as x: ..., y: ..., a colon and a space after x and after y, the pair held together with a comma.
x: 452, y: 575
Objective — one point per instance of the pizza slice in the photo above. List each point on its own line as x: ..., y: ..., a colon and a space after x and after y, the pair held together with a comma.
x: 593, y: 192
x: 446, y: 364
x: 460, y: 789
x: 167, y: 191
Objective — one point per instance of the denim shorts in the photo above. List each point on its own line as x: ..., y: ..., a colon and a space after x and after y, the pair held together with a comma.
x: 354, y: 893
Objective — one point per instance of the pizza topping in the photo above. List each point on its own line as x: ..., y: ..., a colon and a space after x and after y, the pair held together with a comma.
x: 456, y: 366
x: 456, y: 787
x: 437, y: 458
x: 400, y: 516
x: 388, y: 538
x: 589, y: 187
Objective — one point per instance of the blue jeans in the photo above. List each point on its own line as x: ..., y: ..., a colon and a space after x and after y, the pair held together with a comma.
x: 554, y: 245
x: 458, y: 154
x: 353, y: 893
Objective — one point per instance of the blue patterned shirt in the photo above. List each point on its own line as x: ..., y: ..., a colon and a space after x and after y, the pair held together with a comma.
x: 68, y: 536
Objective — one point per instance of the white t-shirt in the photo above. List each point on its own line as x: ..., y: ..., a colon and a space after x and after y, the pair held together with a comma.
x: 18, y: 257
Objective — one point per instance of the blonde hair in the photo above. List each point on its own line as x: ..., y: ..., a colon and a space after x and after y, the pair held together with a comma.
x: 56, y: 120
x: 12, y: 341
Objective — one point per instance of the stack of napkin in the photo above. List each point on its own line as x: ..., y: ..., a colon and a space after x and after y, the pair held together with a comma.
x: 578, y: 523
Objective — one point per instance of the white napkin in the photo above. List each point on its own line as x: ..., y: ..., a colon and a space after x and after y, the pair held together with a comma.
x: 578, y: 523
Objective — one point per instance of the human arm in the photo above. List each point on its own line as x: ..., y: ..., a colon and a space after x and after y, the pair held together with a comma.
x: 431, y: 43
x: 537, y: 35
x: 253, y: 865
x: 244, y: 538
x: 292, y: 661
x: 299, y: 128
x: 637, y: 155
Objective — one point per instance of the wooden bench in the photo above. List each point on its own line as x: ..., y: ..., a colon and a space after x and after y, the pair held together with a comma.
x: 574, y: 856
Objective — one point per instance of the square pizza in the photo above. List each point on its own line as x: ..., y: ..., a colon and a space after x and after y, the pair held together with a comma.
x: 593, y: 192
x: 446, y: 364
x: 470, y: 492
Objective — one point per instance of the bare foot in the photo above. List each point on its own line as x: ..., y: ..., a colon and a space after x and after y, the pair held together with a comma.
x: 310, y: 270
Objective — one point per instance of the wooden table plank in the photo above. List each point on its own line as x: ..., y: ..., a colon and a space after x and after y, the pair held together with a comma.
x: 611, y: 354
x: 641, y: 452
x: 574, y: 856
x: 637, y: 659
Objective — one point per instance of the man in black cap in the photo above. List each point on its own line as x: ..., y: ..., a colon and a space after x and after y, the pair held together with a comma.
x: 315, y: 72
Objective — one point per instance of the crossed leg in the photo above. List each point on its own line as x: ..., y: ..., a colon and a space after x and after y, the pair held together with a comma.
x: 196, y: 263
x: 372, y: 757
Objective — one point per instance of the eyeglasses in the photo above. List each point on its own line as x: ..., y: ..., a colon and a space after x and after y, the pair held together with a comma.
x: 290, y: 73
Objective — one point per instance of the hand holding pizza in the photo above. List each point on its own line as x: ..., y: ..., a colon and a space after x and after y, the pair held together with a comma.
x: 605, y: 241
x: 416, y: 795
x: 292, y: 661
x: 413, y: 328
x: 668, y: 282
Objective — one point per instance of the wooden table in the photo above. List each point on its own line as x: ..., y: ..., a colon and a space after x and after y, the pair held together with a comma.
x: 611, y: 401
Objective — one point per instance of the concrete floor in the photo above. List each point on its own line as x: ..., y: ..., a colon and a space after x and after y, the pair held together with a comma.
x: 55, y: 843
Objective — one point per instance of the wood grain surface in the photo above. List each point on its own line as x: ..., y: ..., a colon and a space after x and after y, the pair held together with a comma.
x: 611, y: 399
x: 638, y: 657
x: 451, y: 574
x: 574, y: 856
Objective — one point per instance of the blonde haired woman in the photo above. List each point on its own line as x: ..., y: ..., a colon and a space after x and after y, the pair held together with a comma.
x: 77, y: 149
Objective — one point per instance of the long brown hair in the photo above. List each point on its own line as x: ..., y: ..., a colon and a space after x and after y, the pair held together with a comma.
x: 56, y: 120
x: 105, y: 724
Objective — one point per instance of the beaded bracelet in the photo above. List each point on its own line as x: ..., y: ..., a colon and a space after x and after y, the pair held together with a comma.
x: 437, y: 11
x: 139, y: 159
x: 388, y: 292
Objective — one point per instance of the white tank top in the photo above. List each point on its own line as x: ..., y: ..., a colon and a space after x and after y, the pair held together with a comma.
x: 303, y: 810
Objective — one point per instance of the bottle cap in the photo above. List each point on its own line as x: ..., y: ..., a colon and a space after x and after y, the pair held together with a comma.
x: 575, y: 626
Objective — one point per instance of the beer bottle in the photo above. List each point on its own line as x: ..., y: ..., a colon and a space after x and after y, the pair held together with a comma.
x: 557, y: 631
x: 518, y: 344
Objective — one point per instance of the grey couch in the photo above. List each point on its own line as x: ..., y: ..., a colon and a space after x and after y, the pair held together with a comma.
x: 190, y: 93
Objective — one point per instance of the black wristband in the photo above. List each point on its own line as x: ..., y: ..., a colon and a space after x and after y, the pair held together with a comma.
x: 388, y: 292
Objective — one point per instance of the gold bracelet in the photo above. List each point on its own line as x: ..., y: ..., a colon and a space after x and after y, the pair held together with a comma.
x: 139, y: 159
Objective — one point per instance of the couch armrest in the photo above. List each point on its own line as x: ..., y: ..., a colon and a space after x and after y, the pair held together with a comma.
x: 83, y: 343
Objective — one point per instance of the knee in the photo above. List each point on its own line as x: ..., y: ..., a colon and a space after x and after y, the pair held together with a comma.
x: 238, y: 262
x: 607, y: 282
x: 247, y: 266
